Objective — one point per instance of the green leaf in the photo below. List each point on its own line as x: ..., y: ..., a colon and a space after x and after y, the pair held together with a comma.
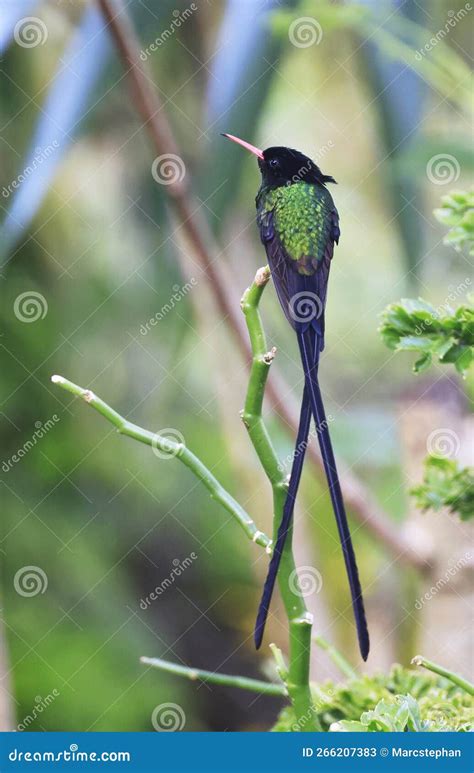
x: 441, y: 334
x: 348, y: 726
x: 414, y: 344
x: 418, y: 306
x: 409, y: 700
x: 446, y: 484
x: 457, y: 211
x: 423, y: 363
x: 444, y: 347
x: 464, y: 360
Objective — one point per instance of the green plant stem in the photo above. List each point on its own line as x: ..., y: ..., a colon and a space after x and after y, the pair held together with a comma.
x: 242, y: 682
x: 339, y: 660
x: 170, y: 448
x: 300, y: 621
x: 281, y: 666
x: 419, y: 660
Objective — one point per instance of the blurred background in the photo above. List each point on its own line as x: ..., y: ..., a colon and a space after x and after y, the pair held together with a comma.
x: 101, y: 283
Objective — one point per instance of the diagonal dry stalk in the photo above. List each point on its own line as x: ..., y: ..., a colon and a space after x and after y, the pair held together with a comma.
x: 148, y: 104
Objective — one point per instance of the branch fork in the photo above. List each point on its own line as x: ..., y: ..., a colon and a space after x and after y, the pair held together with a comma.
x: 172, y: 449
x: 295, y: 678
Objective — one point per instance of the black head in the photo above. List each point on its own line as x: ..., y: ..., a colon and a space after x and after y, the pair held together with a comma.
x: 284, y: 166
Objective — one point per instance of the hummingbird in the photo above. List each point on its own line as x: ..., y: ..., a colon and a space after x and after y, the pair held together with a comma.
x: 299, y: 226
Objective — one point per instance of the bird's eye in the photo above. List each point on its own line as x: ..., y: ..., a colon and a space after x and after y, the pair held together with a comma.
x: 274, y: 163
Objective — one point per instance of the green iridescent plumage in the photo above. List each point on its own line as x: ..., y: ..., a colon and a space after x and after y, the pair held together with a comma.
x: 301, y: 217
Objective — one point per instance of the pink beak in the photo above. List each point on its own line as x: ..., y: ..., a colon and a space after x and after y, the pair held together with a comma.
x: 256, y: 151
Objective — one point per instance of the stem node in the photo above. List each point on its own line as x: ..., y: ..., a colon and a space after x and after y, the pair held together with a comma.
x: 262, y: 276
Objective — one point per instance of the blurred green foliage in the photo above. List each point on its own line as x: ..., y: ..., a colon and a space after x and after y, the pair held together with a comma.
x: 441, y: 334
x: 446, y: 484
x: 402, y: 700
x: 457, y: 212
x: 401, y: 38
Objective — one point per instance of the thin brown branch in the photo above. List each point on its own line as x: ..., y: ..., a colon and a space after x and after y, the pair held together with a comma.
x: 148, y: 104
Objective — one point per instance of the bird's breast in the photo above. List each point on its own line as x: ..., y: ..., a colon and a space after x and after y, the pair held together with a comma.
x: 298, y: 216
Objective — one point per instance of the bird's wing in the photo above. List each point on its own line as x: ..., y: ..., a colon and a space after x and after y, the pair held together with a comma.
x: 300, y: 278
